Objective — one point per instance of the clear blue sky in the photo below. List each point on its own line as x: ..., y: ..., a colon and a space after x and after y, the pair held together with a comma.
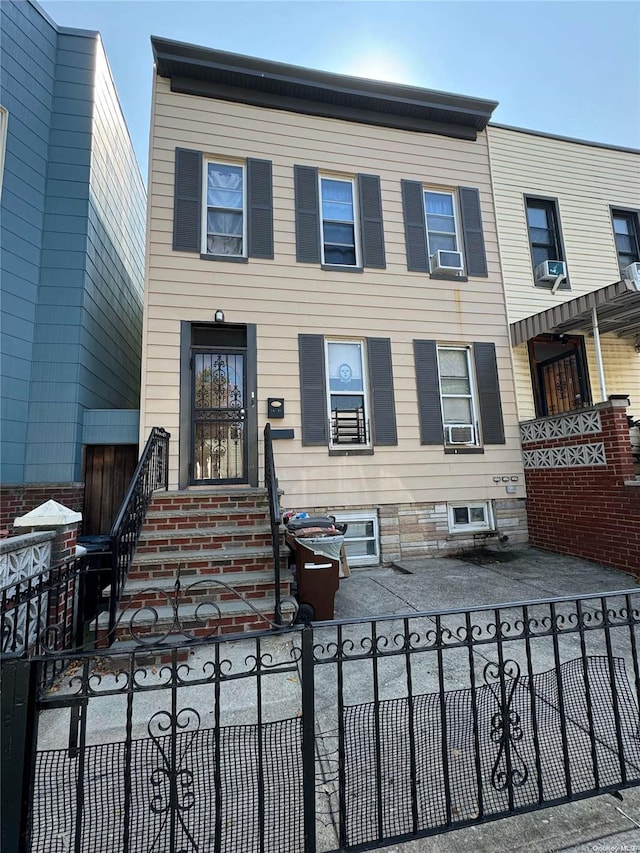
x: 571, y: 68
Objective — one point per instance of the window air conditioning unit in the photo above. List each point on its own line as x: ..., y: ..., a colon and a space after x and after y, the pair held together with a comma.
x: 632, y: 272
x: 443, y: 261
x: 462, y: 434
x: 550, y: 271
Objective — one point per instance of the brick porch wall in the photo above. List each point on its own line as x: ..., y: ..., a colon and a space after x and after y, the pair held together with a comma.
x: 582, y: 495
x: 19, y: 499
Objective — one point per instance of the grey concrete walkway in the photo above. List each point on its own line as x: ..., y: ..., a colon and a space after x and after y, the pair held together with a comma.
x: 597, y: 824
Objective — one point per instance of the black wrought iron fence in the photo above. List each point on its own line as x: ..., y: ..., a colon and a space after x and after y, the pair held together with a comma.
x: 151, y: 473
x: 271, y: 484
x: 332, y: 736
x: 471, y: 715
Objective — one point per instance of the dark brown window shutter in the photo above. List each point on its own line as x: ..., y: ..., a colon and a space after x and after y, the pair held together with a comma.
x: 484, y: 356
x: 475, y: 256
x: 383, y: 408
x: 187, y: 201
x: 425, y: 357
x: 260, y: 208
x: 313, y: 398
x: 305, y: 179
x: 415, y: 231
x: 371, y: 225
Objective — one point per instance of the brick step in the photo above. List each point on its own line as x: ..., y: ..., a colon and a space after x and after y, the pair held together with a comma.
x: 196, y: 589
x: 234, y: 616
x: 161, y: 541
x: 241, y: 498
x: 209, y: 561
x: 178, y: 519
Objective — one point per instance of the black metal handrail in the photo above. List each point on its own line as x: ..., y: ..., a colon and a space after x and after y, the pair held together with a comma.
x: 152, y: 472
x: 271, y: 485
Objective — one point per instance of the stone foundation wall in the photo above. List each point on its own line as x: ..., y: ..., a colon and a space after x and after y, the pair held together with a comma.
x: 415, y: 530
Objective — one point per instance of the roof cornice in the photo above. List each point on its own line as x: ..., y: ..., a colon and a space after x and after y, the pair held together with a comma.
x: 230, y: 76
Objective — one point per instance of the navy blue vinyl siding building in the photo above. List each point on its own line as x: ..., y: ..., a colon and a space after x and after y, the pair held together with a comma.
x: 72, y: 221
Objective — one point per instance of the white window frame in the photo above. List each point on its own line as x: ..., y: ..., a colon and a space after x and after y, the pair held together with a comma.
x: 205, y: 206
x: 364, y: 515
x: 454, y: 204
x: 472, y: 526
x: 365, y: 391
x: 472, y: 396
x: 356, y: 224
x: 4, y: 121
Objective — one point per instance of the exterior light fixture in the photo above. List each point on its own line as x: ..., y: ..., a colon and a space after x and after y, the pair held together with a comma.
x: 219, y: 316
x: 637, y: 343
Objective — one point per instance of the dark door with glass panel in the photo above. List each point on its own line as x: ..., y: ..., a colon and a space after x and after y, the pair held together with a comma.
x: 560, y: 376
x: 219, y: 444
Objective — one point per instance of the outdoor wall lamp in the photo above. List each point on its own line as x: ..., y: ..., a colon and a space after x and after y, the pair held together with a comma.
x: 219, y: 316
x: 637, y: 344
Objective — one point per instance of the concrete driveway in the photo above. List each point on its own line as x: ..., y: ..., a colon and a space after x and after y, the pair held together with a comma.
x: 443, y: 583
x: 601, y: 824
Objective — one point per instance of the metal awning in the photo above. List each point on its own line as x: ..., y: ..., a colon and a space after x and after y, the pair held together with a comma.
x: 617, y: 307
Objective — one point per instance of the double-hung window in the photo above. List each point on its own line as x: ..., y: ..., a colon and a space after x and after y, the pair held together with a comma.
x: 545, y: 241
x: 457, y: 396
x: 442, y: 231
x: 225, y: 221
x: 543, y: 231
x: 338, y: 220
x: 337, y: 202
x: 346, y: 394
x: 347, y: 401
x: 222, y: 210
x: 625, y: 230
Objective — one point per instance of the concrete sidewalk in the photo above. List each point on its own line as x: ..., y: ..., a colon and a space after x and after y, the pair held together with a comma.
x: 597, y: 824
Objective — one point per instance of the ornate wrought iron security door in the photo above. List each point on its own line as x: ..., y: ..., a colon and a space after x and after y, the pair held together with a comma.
x: 219, y: 451
x: 560, y: 379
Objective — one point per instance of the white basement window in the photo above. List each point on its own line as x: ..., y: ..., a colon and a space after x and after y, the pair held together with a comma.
x: 470, y: 517
x: 361, y: 542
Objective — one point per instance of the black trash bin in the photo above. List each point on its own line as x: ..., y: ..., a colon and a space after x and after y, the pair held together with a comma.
x: 98, y: 576
x: 317, y: 566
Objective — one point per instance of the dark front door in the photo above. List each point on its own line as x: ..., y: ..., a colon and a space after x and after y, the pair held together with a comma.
x: 218, y: 404
x: 560, y: 375
x: 219, y: 445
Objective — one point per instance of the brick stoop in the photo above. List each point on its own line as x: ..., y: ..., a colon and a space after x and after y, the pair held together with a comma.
x: 207, y: 538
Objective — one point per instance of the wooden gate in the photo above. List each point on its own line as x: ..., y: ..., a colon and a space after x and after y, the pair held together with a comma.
x: 107, y: 473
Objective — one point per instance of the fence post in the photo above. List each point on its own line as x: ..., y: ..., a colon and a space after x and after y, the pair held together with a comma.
x: 308, y: 741
x: 17, y: 735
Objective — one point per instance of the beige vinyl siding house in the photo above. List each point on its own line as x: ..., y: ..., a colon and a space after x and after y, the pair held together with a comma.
x: 347, y: 347
x: 587, y: 186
